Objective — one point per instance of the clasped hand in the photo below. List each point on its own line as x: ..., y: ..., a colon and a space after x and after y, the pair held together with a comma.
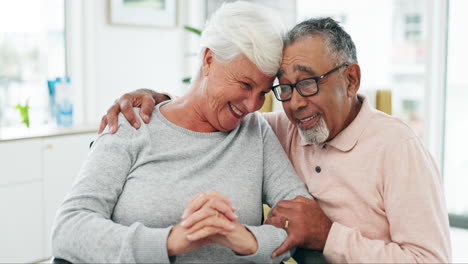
x: 209, y: 218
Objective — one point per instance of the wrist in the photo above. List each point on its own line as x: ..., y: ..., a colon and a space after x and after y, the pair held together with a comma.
x: 246, y: 243
x: 173, y: 245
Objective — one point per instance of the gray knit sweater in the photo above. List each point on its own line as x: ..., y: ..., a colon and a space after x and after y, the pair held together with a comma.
x: 135, y: 186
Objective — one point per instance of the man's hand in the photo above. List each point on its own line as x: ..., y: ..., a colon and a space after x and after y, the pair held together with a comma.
x: 143, y: 98
x: 308, y: 226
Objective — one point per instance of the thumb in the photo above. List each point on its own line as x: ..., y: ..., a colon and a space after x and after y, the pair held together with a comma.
x: 302, y: 199
x: 287, y: 244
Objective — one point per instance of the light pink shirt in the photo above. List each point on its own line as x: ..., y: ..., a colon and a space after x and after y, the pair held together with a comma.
x: 379, y: 186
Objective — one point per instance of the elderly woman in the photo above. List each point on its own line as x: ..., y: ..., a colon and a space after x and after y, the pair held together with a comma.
x: 140, y: 195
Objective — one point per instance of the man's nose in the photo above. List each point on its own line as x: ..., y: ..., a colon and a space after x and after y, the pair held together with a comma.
x: 298, y: 101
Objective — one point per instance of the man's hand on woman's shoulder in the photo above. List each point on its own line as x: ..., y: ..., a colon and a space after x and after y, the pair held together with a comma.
x: 145, y: 99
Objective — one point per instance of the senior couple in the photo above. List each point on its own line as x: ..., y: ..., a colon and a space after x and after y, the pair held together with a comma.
x: 147, y: 194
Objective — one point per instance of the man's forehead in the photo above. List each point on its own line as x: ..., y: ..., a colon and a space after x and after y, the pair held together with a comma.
x: 297, y: 68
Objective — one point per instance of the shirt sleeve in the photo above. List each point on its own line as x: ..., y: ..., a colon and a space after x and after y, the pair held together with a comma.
x: 83, y: 231
x: 280, y: 182
x: 415, y: 209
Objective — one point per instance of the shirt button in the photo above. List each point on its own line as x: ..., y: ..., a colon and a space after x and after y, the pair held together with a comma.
x: 318, y: 169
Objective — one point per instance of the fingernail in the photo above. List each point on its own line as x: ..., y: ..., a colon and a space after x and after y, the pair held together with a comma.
x: 184, y: 214
x: 136, y: 125
x: 112, y: 129
x: 273, y: 255
x: 232, y: 226
x: 183, y: 223
x: 146, y: 118
x: 235, y: 216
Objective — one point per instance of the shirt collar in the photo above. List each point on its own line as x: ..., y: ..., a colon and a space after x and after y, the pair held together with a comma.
x: 348, y: 137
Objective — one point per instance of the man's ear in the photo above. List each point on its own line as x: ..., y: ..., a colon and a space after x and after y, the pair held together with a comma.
x: 208, y: 59
x: 353, y: 76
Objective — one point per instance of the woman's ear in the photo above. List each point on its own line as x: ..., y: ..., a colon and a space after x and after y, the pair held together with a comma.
x: 354, y: 79
x: 207, y: 61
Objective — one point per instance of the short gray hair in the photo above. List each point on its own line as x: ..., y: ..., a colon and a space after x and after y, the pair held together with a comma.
x: 243, y: 28
x: 338, y: 43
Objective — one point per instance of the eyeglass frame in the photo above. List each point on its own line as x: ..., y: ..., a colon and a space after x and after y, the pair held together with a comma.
x: 316, y: 79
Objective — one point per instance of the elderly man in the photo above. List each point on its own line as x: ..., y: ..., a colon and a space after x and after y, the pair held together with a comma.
x: 379, y: 195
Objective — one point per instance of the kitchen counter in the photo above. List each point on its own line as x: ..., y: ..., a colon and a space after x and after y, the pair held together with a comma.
x: 10, y: 134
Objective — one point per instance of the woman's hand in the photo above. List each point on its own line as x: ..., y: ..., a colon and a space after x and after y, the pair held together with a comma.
x: 200, y: 208
x: 210, y: 217
x: 178, y: 243
x: 214, y: 203
x: 213, y: 229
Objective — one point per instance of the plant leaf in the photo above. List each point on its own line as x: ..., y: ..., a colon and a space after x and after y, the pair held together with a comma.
x: 186, y: 80
x: 193, y: 30
x: 24, y: 112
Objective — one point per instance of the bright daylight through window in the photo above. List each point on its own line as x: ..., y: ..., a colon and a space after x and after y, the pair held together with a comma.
x: 455, y: 158
x: 32, y: 50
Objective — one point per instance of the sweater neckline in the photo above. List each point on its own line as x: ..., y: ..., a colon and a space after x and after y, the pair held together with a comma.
x: 164, y: 120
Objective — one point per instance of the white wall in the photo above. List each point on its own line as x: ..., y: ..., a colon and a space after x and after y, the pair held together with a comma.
x: 107, y: 60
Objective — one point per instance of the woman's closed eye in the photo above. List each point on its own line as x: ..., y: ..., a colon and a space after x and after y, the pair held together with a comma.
x: 246, y: 85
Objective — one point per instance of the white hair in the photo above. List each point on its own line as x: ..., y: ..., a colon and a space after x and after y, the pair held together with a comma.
x: 243, y: 28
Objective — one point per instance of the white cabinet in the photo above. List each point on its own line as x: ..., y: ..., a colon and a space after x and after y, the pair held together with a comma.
x: 20, y: 161
x: 21, y: 224
x: 63, y: 158
x: 35, y: 175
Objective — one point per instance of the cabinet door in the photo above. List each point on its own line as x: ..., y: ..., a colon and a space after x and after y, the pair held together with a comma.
x: 63, y: 158
x: 20, y: 161
x: 21, y: 223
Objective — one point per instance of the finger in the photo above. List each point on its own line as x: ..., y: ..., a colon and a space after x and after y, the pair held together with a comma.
x: 127, y: 110
x: 224, y: 198
x: 196, y: 204
x: 213, y: 221
x: 112, y: 117
x: 197, y: 217
x: 223, y: 207
x: 285, y: 212
x: 147, y: 106
x: 103, y: 124
x: 287, y: 204
x: 287, y: 244
x: 277, y: 221
x: 303, y: 199
x: 204, y: 233
x: 212, y: 207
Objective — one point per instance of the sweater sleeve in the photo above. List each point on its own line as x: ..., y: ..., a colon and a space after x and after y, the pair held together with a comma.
x: 83, y: 230
x: 415, y: 209
x: 280, y: 182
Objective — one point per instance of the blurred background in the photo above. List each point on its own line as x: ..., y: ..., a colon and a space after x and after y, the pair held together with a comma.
x: 64, y: 62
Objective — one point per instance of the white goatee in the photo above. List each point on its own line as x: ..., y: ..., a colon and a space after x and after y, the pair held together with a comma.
x: 315, y: 135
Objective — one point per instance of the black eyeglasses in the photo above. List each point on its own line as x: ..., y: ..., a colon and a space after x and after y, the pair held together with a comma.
x: 307, y: 87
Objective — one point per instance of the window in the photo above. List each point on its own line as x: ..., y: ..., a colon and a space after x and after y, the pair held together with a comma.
x: 456, y: 124
x: 413, y: 27
x: 32, y: 50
